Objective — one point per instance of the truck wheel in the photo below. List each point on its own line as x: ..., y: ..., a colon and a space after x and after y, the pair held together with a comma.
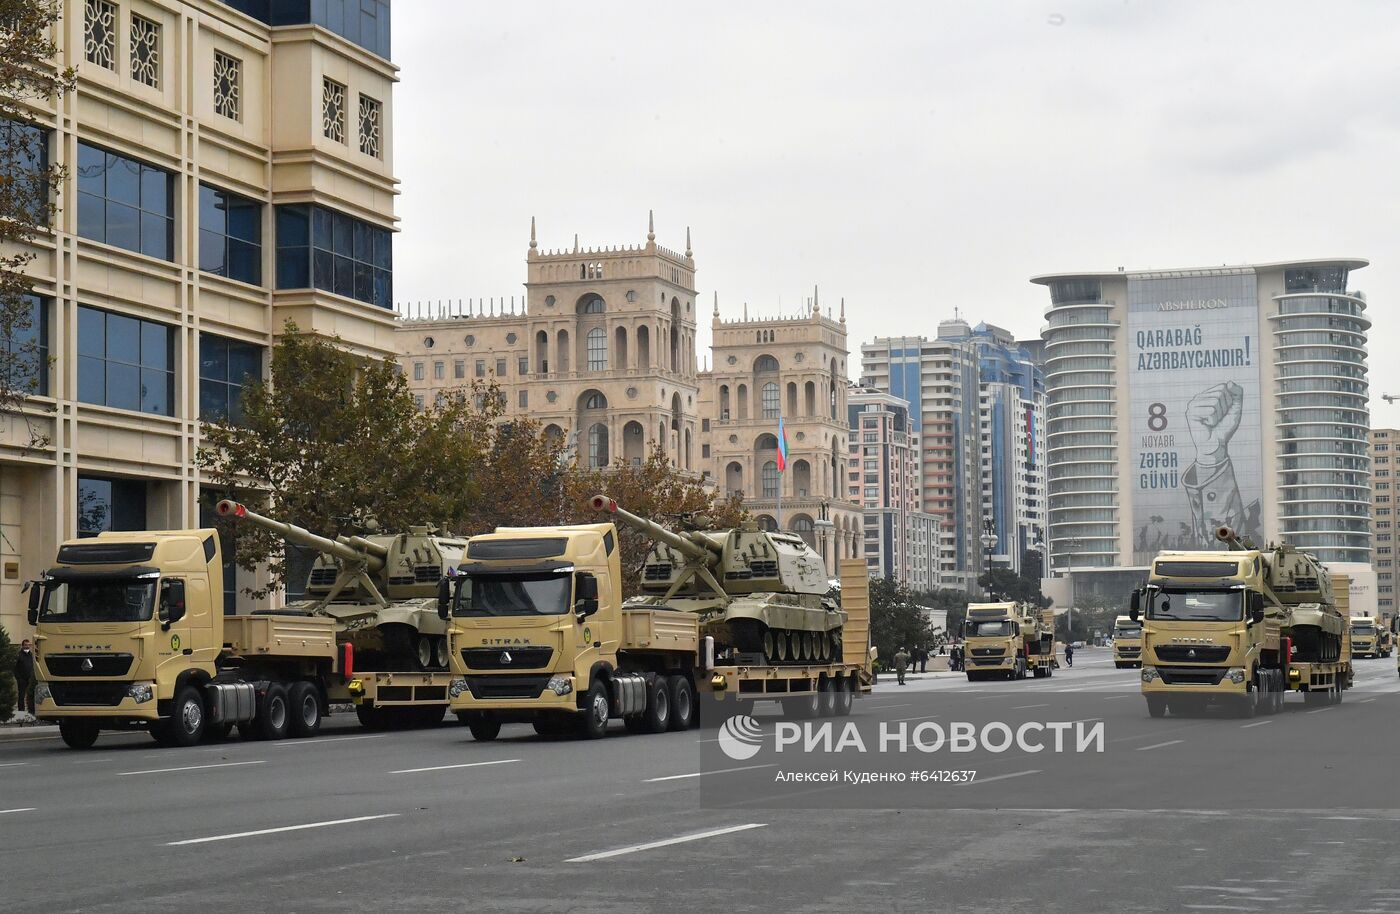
x: 551, y: 726
x: 217, y: 733
x: 593, y: 722
x: 802, y: 707
x: 305, y: 708
x: 78, y: 732
x: 426, y: 655
x: 635, y: 723
x: 484, y: 729
x: 845, y: 695
x: 682, y: 702
x: 1337, y: 691
x: 440, y: 654
x: 370, y: 717
x: 275, y: 717
x: 186, y: 724
x: 657, y: 716
x: 1247, y: 704
x: 826, y: 698
x: 1156, y: 705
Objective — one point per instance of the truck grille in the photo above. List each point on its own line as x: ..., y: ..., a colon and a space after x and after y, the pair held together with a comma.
x: 1191, y: 653
x: 92, y: 694
x: 486, y: 687
x: 502, y: 658
x: 106, y: 665
x: 1133, y: 651
x: 989, y: 652
x: 1187, y: 675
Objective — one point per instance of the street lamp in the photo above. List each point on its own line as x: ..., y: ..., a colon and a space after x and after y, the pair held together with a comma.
x: 989, y: 542
x: 1072, y: 544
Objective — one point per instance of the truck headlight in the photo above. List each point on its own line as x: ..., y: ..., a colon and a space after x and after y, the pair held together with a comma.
x: 1149, y: 673
x: 42, y: 693
x: 561, y: 685
x: 140, y: 692
x: 456, y: 687
x: 1235, y: 675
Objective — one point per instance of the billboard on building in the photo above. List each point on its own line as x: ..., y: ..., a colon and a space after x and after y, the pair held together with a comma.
x: 1194, y: 410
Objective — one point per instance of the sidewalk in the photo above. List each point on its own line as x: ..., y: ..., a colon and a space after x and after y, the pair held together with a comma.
x: 25, y: 725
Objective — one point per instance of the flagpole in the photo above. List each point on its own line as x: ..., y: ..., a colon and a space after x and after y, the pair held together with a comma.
x: 782, y: 441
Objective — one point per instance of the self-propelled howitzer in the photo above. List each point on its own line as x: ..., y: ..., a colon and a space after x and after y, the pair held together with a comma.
x: 380, y: 588
x: 758, y: 592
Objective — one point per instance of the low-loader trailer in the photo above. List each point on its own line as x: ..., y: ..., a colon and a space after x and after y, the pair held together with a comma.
x: 130, y: 635
x: 1240, y: 628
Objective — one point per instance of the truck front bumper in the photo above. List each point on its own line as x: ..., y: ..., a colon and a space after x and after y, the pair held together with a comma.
x: 990, y: 663
x: 119, y: 704
x: 1194, y: 680
x: 527, y: 694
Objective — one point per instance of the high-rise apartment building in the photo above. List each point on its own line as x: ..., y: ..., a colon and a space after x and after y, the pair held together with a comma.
x: 793, y: 368
x: 1385, y: 486
x: 900, y: 540
x: 601, y: 351
x: 230, y: 168
x: 1183, y: 400
x: 976, y: 401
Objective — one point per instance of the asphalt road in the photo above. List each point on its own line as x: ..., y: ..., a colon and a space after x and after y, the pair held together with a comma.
x: 431, y: 821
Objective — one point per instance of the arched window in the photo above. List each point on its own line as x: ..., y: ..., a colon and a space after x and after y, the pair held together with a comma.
x: 598, y: 445
x: 593, y: 304
x: 765, y: 363
x: 597, y: 348
x: 766, y: 522
x: 770, y: 479
x: 595, y: 401
x: 771, y: 409
x: 802, y: 525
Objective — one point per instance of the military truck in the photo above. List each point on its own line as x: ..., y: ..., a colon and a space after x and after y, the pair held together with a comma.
x: 540, y: 633
x: 1366, y: 638
x: 1240, y: 628
x: 1008, y: 639
x: 380, y: 588
x: 1127, y: 643
x: 130, y: 634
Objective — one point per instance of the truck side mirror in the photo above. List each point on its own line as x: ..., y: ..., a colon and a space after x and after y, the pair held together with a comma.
x: 586, y: 595
x: 1256, y: 607
x: 444, y: 597
x: 36, y: 595
x: 1135, y: 605
x: 172, y: 602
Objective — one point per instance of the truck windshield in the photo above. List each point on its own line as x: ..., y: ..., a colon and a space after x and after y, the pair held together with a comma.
x: 513, y: 595
x: 1205, y: 605
x: 1134, y: 631
x: 106, y: 600
x: 989, y: 629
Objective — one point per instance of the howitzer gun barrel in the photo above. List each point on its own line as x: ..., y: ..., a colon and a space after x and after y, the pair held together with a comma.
x: 359, y: 542
x: 1229, y: 537
x: 301, y: 536
x: 686, y: 547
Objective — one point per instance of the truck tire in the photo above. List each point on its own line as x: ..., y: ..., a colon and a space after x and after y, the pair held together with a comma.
x: 78, y: 732
x: 593, y: 722
x: 187, y: 716
x: 274, y: 718
x: 370, y: 717
x: 305, y: 706
x: 1337, y: 691
x: 845, y: 695
x: 682, y: 702
x: 657, y: 717
x: 1246, y: 705
x: 803, y: 707
x: 551, y: 726
x: 484, y: 729
x: 826, y: 697
x: 1156, y: 705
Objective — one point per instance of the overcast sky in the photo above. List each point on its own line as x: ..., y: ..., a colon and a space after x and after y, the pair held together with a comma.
x: 912, y: 157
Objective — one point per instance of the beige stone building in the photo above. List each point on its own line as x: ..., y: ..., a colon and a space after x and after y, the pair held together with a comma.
x: 203, y: 209
x: 600, y: 352
x: 793, y: 367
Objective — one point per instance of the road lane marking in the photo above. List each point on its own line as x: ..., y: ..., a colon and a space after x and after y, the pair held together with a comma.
x: 1000, y: 777
x: 652, y: 845
x: 1257, y: 723
x: 1364, y: 700
x: 292, y: 744
x: 12, y: 764
x: 900, y: 720
x: 21, y: 809
x: 122, y: 774
x: 887, y: 707
x: 1116, y: 697
x: 700, y: 774
x: 1317, y: 710
x: 1170, y: 742
x: 499, y: 761
x: 274, y: 831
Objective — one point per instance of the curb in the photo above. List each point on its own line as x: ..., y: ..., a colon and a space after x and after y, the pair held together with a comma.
x: 28, y: 730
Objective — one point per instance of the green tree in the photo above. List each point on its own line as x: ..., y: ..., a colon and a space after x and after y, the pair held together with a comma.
x: 1022, y: 587
x: 9, y: 694
x: 896, y: 619
x: 28, y: 183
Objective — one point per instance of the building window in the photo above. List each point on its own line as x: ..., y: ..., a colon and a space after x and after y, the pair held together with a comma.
x: 439, y: 371
x: 145, y: 51
x: 598, y: 446
x: 418, y: 402
x: 459, y: 369
x: 369, y: 125
x: 704, y: 425
x: 500, y: 368
x: 523, y: 398
x: 770, y: 400
x: 323, y: 249
x: 522, y: 365
x: 110, y: 504
x: 228, y: 83
x: 597, y: 347
x: 125, y: 362
x: 225, y: 367
x: 770, y: 479
x: 100, y: 34
x: 28, y: 350
x: 481, y: 368
x: 333, y: 110
x: 230, y: 235
x: 594, y: 305
x: 417, y: 371
x: 124, y: 202
x: 705, y: 451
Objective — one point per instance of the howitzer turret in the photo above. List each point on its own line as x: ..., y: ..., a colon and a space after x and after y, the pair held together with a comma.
x: 760, y: 593
x: 381, y: 588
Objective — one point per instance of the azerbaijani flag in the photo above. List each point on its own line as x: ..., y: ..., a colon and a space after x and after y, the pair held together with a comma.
x: 782, y: 446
